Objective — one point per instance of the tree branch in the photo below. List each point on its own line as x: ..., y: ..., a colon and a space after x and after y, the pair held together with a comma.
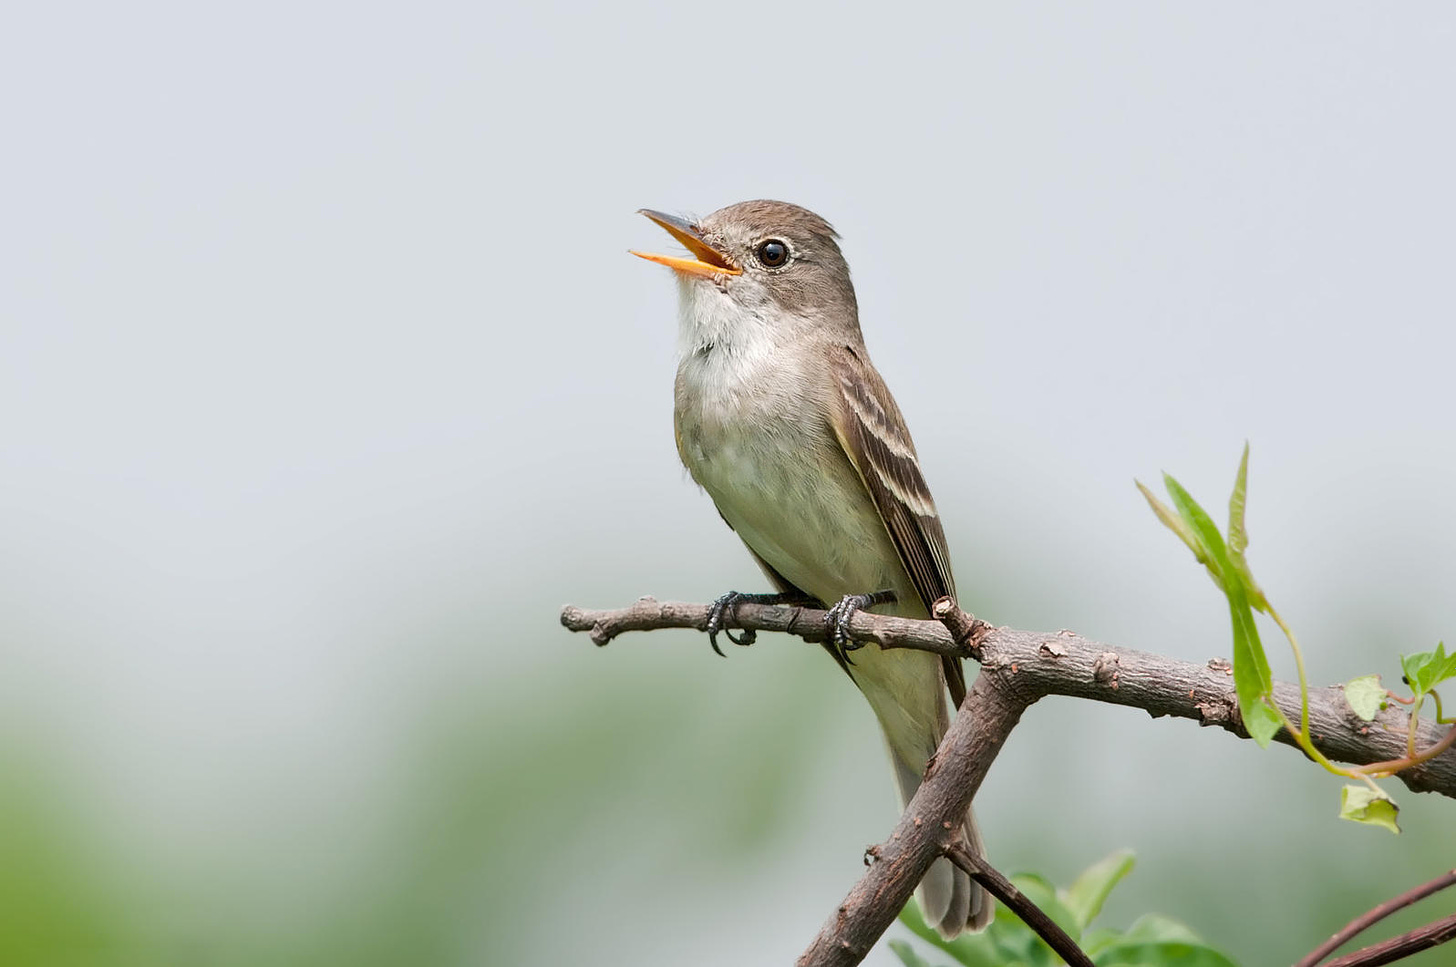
x: 1035, y: 664
x: 1398, y: 948
x: 1017, y: 669
x: 926, y: 830
x: 1374, y: 915
x: 1016, y: 901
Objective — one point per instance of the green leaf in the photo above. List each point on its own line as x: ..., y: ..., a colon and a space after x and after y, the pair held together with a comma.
x: 1174, y: 523
x: 1040, y: 891
x: 1156, y: 928
x: 1238, y: 536
x: 907, y: 954
x: 1204, y: 530
x: 971, y: 950
x: 1167, y: 954
x: 1361, y: 804
x: 1253, y: 681
x: 1098, y: 939
x: 1424, y: 670
x: 1085, y: 897
x: 1252, y: 678
x: 1366, y: 696
x: 1155, y: 940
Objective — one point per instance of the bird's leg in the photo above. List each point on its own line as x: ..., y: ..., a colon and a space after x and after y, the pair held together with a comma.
x: 725, y: 609
x: 836, y: 619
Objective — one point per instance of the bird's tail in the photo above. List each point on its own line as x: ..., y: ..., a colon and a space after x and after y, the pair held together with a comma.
x: 950, y: 901
x: 907, y: 691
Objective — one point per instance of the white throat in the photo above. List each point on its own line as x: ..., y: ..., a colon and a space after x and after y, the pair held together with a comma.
x: 711, y: 322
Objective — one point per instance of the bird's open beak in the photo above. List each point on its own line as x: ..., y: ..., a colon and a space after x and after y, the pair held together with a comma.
x: 709, y: 262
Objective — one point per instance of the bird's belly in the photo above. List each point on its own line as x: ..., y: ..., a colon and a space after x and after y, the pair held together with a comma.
x: 804, y: 510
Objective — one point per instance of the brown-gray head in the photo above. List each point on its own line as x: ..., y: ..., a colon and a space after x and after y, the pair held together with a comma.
x: 759, y: 270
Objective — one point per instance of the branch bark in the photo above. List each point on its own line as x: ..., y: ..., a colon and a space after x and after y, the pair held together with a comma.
x: 1017, y: 669
x: 1398, y: 948
x: 1036, y: 664
x: 1031, y: 914
x: 926, y: 829
x: 1374, y: 915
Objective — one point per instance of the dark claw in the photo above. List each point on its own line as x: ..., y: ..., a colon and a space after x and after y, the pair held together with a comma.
x: 724, y: 607
x: 837, y: 618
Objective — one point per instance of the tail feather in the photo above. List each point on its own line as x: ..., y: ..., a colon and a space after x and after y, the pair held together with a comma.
x: 950, y: 901
x: 907, y: 691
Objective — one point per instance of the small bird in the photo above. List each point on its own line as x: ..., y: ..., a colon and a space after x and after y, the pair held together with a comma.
x: 783, y: 420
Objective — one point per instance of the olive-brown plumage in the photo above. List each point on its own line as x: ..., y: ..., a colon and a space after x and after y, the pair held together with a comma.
x: 781, y: 417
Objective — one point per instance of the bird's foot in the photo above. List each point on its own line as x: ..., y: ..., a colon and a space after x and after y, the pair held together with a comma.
x: 725, y: 609
x: 837, y: 618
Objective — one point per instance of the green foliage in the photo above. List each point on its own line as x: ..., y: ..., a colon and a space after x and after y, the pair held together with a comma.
x: 1253, y: 680
x: 1226, y: 564
x: 1366, y: 696
x: 1090, y: 890
x: 1008, y: 941
x: 1426, y: 669
x: 1364, y: 804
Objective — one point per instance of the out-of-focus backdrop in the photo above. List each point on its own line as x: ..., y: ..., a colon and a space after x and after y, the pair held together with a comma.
x: 326, y: 379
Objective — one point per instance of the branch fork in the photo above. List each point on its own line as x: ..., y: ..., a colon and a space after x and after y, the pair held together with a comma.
x: 1017, y: 669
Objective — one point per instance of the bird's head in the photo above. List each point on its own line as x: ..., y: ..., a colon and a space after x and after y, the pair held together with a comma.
x: 758, y: 265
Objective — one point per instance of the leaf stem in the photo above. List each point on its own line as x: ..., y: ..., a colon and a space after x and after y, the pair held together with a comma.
x: 1395, y: 765
x: 1410, y: 732
x: 1440, y: 716
x: 1302, y: 740
x: 1298, y: 664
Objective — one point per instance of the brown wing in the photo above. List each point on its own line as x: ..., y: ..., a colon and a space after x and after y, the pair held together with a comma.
x: 873, y: 435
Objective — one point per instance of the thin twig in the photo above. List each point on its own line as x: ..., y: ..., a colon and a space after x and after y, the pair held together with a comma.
x: 1374, y: 915
x: 1398, y: 948
x: 1018, y: 903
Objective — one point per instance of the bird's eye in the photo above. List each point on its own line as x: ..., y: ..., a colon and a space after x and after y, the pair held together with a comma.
x: 772, y: 253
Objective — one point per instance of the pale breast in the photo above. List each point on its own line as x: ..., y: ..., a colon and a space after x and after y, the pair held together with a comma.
x: 752, y: 436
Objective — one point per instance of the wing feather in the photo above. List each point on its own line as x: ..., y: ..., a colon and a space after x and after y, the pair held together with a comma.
x: 874, y: 437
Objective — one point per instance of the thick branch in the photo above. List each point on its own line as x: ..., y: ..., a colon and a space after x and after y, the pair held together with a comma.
x: 927, y: 828
x: 1034, y: 664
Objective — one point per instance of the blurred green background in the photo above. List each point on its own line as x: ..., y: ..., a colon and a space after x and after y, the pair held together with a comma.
x: 325, y: 380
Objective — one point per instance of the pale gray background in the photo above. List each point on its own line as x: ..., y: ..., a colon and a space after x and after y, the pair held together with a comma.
x: 325, y: 378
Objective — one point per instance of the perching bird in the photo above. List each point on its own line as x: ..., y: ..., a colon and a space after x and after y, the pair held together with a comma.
x: 783, y: 420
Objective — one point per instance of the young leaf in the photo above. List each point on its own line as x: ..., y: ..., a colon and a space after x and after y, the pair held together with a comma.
x: 907, y: 954
x: 1361, y: 804
x: 1156, y: 928
x: 1366, y: 696
x: 1174, y: 523
x: 1159, y: 941
x: 1253, y: 681
x: 1203, y: 528
x: 1162, y: 955
x: 1041, y: 892
x: 1252, y: 678
x: 1097, y: 938
x: 1426, y: 669
x: 1085, y: 896
x: 1238, y: 536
